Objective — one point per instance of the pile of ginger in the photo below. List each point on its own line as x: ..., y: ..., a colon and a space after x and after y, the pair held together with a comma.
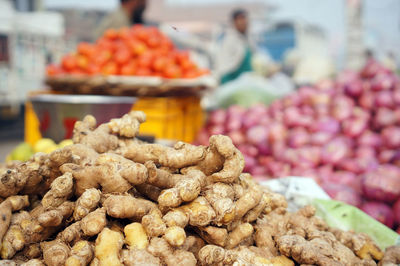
x: 110, y: 199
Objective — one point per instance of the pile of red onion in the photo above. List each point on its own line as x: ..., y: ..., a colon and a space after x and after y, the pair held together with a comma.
x: 345, y: 134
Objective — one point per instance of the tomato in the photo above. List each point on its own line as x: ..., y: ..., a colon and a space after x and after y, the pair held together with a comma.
x: 162, y: 51
x: 77, y: 71
x: 125, y: 33
x: 110, y: 68
x: 187, y: 65
x: 122, y: 56
x: 69, y: 62
x: 103, y: 56
x: 105, y: 44
x: 111, y: 34
x: 137, y: 47
x: 160, y: 63
x: 182, y: 56
x: 82, y: 62
x: 166, y: 43
x: 203, y: 72
x: 153, y: 41
x: 143, y: 72
x: 128, y: 69
x: 86, y: 49
x: 172, y: 72
x: 53, y: 70
x: 142, y: 34
x: 191, y: 74
x: 93, y: 69
x: 145, y: 60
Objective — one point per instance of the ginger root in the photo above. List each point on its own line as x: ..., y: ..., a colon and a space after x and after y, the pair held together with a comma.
x: 135, y: 236
x: 108, y: 246
x: 150, y: 204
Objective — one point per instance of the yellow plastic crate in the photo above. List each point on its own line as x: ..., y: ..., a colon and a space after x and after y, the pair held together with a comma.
x: 172, y: 118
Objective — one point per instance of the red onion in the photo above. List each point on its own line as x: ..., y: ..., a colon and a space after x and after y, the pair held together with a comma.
x: 346, y: 178
x: 263, y: 148
x: 326, y: 124
x: 307, y: 110
x: 335, y: 151
x: 291, y: 115
x: 352, y: 165
x: 265, y: 160
x: 371, y: 68
x: 234, y: 117
x: 342, y: 193
x: 380, y: 212
x: 298, y: 137
x: 217, y: 117
x: 354, y: 88
x: 294, y: 99
x: 384, y: 117
x: 248, y: 149
x: 277, y: 149
x: 382, y: 184
x: 253, y: 115
x: 365, y: 152
x: 396, y: 96
x: 277, y: 132
x: 237, y: 137
x: 319, y: 98
x: 320, y: 138
x: 391, y: 137
x: 396, y: 211
x: 325, y: 171
x: 367, y: 100
x: 258, y: 171
x: 233, y: 124
x: 216, y: 129
x: 342, y: 107
x: 386, y: 156
x: 382, y: 82
x: 310, y: 156
x: 257, y: 134
x: 384, y: 99
x: 250, y: 163
x: 202, y: 137
x: 306, y: 92
x: 313, y: 174
x: 369, y: 138
x: 354, y: 127
x: 290, y: 156
x: 278, y: 169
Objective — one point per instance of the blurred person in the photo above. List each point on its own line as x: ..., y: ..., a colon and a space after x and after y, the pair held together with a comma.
x: 233, y: 57
x: 389, y: 61
x: 369, y: 55
x: 130, y: 12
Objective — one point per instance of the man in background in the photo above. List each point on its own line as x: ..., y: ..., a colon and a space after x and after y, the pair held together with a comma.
x: 234, y: 54
x: 130, y: 12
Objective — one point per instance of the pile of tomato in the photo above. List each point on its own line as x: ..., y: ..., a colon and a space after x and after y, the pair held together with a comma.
x: 135, y: 51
